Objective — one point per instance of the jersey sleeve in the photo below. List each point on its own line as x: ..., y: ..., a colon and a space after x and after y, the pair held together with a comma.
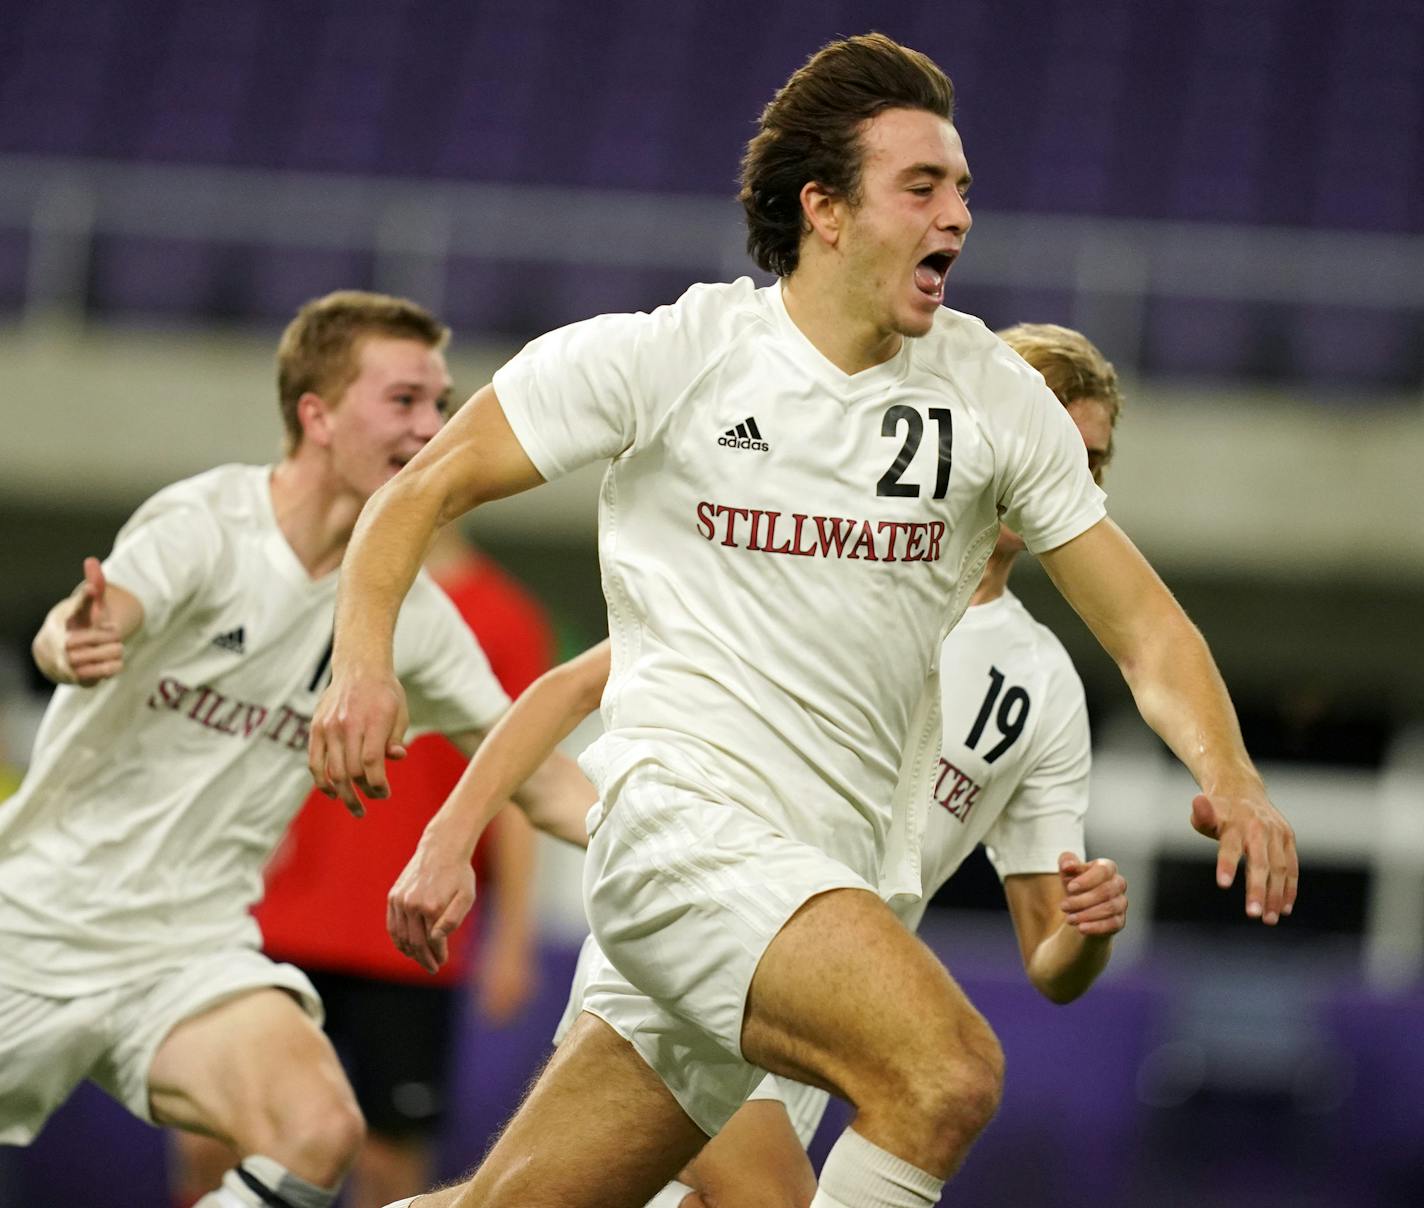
x: 598, y: 389
x: 1045, y: 815
x: 1045, y: 491
x: 449, y: 686
x: 165, y: 555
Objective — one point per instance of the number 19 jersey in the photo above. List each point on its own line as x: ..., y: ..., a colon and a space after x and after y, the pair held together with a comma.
x: 784, y: 545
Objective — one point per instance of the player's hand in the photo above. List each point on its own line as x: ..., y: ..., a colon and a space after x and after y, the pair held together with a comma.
x: 428, y: 901
x: 91, y: 649
x: 1094, y: 895
x: 1248, y: 824
x: 506, y: 979
x: 359, y: 723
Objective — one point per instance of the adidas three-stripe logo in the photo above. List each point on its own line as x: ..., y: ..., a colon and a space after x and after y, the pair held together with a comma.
x: 745, y: 435
x: 233, y: 640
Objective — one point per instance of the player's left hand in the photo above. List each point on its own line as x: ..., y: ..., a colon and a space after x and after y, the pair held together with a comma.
x: 1094, y: 895
x: 429, y: 900
x: 1247, y: 824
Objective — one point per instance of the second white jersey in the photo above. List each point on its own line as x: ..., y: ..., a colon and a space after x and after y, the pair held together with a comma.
x: 153, y: 800
x: 1016, y: 753
x: 784, y: 546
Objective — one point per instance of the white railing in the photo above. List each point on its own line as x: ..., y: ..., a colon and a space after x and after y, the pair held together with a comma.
x: 1109, y: 267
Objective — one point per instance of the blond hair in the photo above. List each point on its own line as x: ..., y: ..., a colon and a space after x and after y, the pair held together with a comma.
x: 318, y: 351
x: 1070, y: 363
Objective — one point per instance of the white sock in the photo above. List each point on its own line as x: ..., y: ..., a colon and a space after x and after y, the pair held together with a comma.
x: 670, y: 1196
x: 405, y: 1203
x: 276, y: 1178
x: 859, y: 1174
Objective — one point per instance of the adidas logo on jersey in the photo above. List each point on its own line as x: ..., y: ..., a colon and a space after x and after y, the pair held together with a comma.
x: 745, y: 435
x: 232, y: 640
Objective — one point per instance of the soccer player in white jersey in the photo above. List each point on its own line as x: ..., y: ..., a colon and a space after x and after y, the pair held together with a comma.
x: 776, y: 608
x: 1013, y: 774
x: 173, y: 757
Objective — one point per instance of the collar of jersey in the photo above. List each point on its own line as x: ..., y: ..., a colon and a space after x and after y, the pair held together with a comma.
x: 284, y: 557
x: 988, y: 612
x: 845, y: 385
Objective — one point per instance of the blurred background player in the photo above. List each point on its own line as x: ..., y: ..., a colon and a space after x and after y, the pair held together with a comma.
x: 324, y: 910
x: 171, y: 760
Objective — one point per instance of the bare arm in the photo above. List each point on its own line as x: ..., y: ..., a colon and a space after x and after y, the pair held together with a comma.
x: 1180, y: 694
x: 1065, y: 922
x: 82, y: 638
x: 517, y: 760
x: 361, y: 718
x: 505, y: 976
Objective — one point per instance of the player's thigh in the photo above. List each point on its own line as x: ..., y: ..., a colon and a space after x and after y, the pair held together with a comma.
x: 845, y: 997
x: 756, y: 1161
x: 251, y: 1070
x: 47, y: 1047
x: 620, y: 1133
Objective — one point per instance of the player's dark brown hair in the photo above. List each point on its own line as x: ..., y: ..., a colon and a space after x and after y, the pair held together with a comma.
x: 811, y: 132
x: 318, y: 352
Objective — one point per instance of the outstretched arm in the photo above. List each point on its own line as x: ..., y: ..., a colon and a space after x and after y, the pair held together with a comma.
x: 516, y: 760
x: 1180, y: 694
x: 361, y: 718
x: 82, y: 638
x: 1065, y: 922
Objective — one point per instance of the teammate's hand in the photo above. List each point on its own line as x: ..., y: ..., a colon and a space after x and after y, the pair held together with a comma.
x: 360, y: 722
x: 91, y: 649
x: 428, y: 901
x: 1094, y: 895
x: 1249, y: 825
x: 507, y: 977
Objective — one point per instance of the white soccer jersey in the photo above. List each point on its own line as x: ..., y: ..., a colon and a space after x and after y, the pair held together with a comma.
x: 784, y: 545
x: 1014, y: 763
x: 154, y: 799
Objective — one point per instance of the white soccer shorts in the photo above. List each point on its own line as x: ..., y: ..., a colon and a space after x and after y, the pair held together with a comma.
x: 684, y: 891
x: 50, y: 1045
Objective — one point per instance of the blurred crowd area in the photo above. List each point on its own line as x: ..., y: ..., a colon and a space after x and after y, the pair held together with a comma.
x: 1227, y: 197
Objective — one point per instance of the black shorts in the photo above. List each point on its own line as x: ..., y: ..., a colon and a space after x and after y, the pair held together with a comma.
x: 394, y: 1039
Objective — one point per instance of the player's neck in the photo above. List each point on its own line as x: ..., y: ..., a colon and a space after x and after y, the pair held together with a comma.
x: 818, y: 305
x: 314, y: 515
x: 996, y: 578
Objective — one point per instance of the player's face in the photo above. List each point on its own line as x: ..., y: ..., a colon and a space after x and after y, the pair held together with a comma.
x: 910, y: 225
x: 1094, y: 420
x: 397, y: 402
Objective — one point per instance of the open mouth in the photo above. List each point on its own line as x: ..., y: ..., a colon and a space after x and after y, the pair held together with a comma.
x: 930, y: 274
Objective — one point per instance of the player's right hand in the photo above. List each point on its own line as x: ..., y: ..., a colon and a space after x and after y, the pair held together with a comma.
x: 429, y: 900
x: 91, y: 649
x: 359, y: 723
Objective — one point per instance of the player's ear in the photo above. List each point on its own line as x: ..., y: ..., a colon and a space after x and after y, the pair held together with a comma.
x: 824, y: 212
x: 314, y: 414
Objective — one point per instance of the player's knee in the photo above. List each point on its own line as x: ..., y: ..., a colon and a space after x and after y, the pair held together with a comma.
x: 962, y: 1092
x: 324, y: 1140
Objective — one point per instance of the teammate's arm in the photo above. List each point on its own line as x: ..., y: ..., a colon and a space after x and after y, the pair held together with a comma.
x: 506, y: 974
x: 1180, y: 694
x: 518, y: 760
x: 361, y: 718
x: 1065, y: 922
x: 82, y: 638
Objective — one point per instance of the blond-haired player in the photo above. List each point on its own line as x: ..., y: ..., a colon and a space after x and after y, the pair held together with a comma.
x: 173, y: 755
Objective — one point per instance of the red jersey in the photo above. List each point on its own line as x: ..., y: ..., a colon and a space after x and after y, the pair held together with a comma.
x: 325, y: 906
